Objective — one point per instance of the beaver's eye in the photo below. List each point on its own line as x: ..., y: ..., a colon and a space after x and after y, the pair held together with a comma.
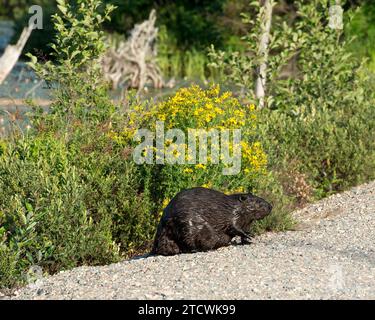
x: 242, y: 198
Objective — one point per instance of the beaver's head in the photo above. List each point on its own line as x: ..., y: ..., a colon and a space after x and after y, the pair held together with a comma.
x: 254, y: 206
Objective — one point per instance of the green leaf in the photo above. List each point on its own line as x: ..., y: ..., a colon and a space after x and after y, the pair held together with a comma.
x: 63, y: 9
x: 29, y: 207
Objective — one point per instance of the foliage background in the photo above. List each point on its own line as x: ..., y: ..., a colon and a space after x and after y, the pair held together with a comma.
x: 71, y: 194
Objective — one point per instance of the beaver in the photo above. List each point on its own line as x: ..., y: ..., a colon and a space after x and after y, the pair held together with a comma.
x: 202, y: 219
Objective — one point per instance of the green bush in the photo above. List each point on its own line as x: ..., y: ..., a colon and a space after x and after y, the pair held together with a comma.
x: 324, y: 121
x: 9, y: 276
x: 334, y: 148
x: 70, y: 196
x: 74, y: 75
x: 68, y: 202
x: 45, y: 218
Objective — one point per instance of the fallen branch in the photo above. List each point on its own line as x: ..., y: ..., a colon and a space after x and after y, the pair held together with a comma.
x: 13, y: 52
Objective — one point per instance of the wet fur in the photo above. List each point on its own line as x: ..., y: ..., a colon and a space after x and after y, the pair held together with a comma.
x: 201, y: 219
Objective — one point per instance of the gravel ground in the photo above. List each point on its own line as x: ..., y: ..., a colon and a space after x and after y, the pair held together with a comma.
x: 330, y: 256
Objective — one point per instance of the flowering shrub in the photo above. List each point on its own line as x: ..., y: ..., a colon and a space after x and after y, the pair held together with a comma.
x: 195, y: 108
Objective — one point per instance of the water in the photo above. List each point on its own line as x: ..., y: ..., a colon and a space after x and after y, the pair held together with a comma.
x: 6, y: 33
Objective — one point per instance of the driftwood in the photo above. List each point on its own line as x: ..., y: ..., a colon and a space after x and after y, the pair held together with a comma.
x: 13, y: 52
x: 133, y: 62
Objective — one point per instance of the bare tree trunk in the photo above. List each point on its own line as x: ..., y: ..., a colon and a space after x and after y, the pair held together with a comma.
x: 13, y: 52
x: 260, y: 86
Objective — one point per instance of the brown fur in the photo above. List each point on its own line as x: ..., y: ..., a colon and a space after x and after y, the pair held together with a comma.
x: 201, y: 219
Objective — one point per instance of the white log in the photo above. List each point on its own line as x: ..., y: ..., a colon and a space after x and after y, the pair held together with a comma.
x: 13, y: 52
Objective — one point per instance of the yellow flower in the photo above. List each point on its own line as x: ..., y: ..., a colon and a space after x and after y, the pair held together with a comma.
x: 200, y: 166
x: 176, y: 153
x: 239, y: 113
x: 208, y: 118
x: 219, y: 110
x: 207, y: 185
x: 188, y: 157
x: 214, y: 90
x: 239, y: 190
x: 165, y: 202
x: 168, y: 142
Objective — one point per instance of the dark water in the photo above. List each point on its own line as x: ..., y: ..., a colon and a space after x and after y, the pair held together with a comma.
x: 6, y: 33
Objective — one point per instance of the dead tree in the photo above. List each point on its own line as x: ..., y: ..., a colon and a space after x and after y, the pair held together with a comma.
x: 260, y: 86
x: 133, y: 62
x: 13, y: 52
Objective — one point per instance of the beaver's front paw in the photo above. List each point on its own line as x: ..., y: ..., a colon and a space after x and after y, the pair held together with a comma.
x: 246, y: 239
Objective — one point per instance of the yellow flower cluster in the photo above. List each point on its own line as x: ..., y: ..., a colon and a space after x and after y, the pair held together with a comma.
x: 196, y: 108
x: 254, y: 156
